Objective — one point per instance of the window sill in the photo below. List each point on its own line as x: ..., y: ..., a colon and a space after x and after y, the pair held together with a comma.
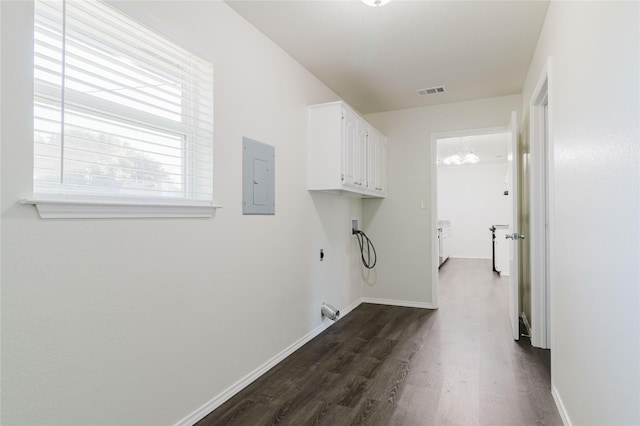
x: 101, y: 209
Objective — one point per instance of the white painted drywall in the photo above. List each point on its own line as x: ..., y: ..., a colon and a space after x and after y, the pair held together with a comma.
x: 141, y: 322
x: 472, y: 198
x: 400, y: 226
x: 595, y: 228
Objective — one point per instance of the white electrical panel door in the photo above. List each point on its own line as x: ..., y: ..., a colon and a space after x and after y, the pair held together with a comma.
x: 258, y: 177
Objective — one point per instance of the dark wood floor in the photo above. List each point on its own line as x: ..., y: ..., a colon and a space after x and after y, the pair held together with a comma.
x: 386, y: 365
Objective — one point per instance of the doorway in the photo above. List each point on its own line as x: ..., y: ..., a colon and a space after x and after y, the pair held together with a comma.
x: 482, y: 182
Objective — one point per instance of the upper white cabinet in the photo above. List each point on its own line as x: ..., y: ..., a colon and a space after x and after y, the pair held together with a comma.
x: 346, y: 154
x: 376, y: 161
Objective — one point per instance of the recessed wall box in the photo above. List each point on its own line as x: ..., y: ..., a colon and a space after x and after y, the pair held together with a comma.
x: 258, y: 177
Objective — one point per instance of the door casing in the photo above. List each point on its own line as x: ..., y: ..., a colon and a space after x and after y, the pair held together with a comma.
x: 541, y: 202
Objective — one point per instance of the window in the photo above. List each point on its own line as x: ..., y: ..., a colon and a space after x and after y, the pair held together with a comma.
x: 120, y: 112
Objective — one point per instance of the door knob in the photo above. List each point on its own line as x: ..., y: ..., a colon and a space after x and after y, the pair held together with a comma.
x: 515, y: 236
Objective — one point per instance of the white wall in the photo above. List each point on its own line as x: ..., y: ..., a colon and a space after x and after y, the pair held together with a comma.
x: 399, y: 226
x: 141, y: 322
x: 472, y: 198
x: 595, y: 228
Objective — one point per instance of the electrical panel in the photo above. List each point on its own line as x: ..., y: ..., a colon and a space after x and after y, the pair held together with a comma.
x: 258, y: 178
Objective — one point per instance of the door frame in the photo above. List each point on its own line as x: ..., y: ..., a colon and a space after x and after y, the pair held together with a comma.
x: 433, y: 190
x: 541, y: 205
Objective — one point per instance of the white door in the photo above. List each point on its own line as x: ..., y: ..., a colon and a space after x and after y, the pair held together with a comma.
x: 513, y: 234
x: 349, y: 149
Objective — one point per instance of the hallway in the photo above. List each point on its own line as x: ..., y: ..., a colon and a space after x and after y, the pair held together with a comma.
x: 503, y: 382
x: 388, y: 365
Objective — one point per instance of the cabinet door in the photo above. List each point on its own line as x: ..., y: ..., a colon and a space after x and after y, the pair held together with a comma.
x: 361, y: 154
x: 377, y: 154
x: 372, y: 159
x: 381, y: 165
x: 349, y: 149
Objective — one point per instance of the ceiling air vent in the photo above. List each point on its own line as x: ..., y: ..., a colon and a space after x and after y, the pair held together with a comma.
x: 430, y: 91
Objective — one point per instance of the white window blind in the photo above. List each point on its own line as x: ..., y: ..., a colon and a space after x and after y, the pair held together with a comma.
x: 119, y: 111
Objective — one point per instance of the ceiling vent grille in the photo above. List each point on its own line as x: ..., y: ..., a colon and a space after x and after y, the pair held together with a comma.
x: 430, y: 91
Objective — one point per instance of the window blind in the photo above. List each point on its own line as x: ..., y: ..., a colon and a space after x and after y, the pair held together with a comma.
x: 119, y: 111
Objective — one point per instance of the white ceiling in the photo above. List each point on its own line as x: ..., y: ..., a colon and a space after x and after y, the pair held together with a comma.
x: 491, y: 149
x: 376, y: 58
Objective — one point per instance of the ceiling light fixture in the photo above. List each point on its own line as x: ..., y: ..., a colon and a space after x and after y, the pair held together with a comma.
x: 463, y: 155
x: 375, y: 3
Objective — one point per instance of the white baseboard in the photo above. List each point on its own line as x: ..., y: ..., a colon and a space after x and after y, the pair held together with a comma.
x: 470, y: 257
x: 561, y: 409
x: 404, y: 303
x: 228, y: 393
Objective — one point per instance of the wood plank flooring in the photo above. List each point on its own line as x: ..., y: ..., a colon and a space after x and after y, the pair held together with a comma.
x: 387, y: 365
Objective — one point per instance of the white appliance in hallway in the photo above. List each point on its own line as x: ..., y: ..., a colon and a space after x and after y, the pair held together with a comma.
x: 444, y: 241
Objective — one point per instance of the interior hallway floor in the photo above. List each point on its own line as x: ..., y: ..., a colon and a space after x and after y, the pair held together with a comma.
x: 388, y: 365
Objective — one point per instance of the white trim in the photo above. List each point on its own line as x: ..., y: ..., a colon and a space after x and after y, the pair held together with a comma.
x: 469, y: 257
x: 433, y: 229
x: 228, y: 393
x: 540, y: 270
x: 514, y: 247
x: 560, y: 405
x: 94, y: 209
x: 405, y: 303
x: 470, y: 132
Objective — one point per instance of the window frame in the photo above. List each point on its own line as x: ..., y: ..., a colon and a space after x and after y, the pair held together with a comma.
x: 99, y: 208
x: 70, y: 205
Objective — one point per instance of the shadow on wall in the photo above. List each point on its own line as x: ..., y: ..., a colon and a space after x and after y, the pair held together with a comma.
x: 369, y: 276
x: 369, y: 209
